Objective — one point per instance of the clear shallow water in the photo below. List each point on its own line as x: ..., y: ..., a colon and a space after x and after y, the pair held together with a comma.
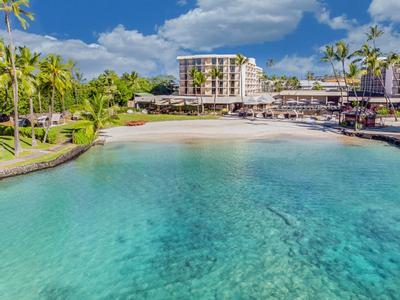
x: 259, y: 220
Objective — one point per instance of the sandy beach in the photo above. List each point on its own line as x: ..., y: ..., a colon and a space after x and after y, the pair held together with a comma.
x: 222, y: 129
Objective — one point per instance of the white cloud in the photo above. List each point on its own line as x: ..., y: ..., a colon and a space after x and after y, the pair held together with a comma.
x: 388, y: 42
x: 218, y: 23
x: 340, y: 22
x: 385, y: 10
x: 121, y: 50
x: 182, y: 2
x: 299, y: 65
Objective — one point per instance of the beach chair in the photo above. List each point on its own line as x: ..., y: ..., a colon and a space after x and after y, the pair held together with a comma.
x: 55, y: 119
x: 42, y: 120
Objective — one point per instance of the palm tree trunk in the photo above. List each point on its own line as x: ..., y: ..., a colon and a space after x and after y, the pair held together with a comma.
x: 63, y: 103
x: 17, y: 145
x: 202, y: 104
x: 340, y: 89
x: 34, y: 142
x: 40, y: 101
x: 357, y: 108
x: 215, y: 95
x: 345, y: 80
x: 388, y: 98
x: 51, y: 114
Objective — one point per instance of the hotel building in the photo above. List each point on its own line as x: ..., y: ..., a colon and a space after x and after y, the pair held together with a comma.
x: 391, y: 78
x: 229, y: 86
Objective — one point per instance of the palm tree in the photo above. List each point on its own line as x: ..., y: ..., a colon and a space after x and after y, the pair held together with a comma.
x: 55, y: 74
x: 376, y: 65
x: 198, y: 81
x: 241, y: 60
x: 373, y: 34
x: 131, y: 82
x: 342, y: 54
x: 354, y: 74
x: 27, y: 64
x: 309, y: 77
x: 192, y: 74
x: 393, y: 59
x: 108, y: 79
x: 217, y: 75
x: 14, y: 8
x: 329, y: 56
x: 97, y: 112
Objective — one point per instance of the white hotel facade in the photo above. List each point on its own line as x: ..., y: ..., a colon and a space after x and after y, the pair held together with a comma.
x: 250, y: 76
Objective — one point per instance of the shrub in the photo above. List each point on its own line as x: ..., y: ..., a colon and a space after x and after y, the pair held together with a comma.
x: 83, y: 136
x: 27, y: 133
x: 383, y: 111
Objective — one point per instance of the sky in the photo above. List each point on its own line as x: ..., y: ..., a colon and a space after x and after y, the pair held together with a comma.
x: 146, y: 36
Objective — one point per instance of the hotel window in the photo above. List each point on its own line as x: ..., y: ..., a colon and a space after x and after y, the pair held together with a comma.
x: 213, y: 91
x: 221, y: 91
x: 232, y: 91
x: 213, y: 83
x: 233, y: 61
x: 194, y: 91
x: 186, y: 91
x: 220, y: 61
x: 232, y: 69
x: 233, y: 77
x: 221, y: 68
x: 221, y: 84
x: 232, y: 83
x: 214, y: 61
x: 198, y: 61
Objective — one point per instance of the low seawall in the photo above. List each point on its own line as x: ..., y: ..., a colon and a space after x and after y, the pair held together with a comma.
x: 21, y: 170
x: 384, y: 137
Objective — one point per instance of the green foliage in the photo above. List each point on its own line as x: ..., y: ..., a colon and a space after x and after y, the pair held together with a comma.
x: 84, y: 136
x: 383, y: 111
x: 27, y: 132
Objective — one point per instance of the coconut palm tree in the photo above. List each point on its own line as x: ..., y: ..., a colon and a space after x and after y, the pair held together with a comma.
x: 342, y: 54
x: 217, y: 75
x: 97, y: 111
x: 27, y: 62
x: 55, y: 75
x: 352, y: 75
x: 198, y: 81
x: 193, y: 74
x: 376, y: 65
x: 15, y: 8
x: 310, y: 76
x: 131, y: 82
x: 373, y: 34
x: 329, y: 56
x: 241, y: 61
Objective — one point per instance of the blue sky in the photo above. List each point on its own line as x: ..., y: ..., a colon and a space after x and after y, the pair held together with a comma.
x: 148, y: 35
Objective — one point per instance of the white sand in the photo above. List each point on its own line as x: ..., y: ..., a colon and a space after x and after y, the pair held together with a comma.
x: 223, y: 129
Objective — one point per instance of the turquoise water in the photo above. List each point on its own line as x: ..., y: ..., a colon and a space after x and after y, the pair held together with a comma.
x: 257, y: 220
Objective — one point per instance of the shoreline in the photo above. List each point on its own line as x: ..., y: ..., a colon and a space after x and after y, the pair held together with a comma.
x: 203, y: 131
x: 222, y: 130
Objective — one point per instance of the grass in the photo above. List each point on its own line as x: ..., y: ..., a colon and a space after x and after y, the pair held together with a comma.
x: 64, y: 132
x: 123, y: 118
x: 7, y: 147
x: 43, y: 158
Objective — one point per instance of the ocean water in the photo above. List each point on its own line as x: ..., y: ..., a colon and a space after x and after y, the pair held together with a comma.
x: 299, y: 219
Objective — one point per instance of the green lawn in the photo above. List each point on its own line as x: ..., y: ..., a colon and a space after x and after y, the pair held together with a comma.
x: 64, y: 132
x: 7, y: 147
x: 123, y: 118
